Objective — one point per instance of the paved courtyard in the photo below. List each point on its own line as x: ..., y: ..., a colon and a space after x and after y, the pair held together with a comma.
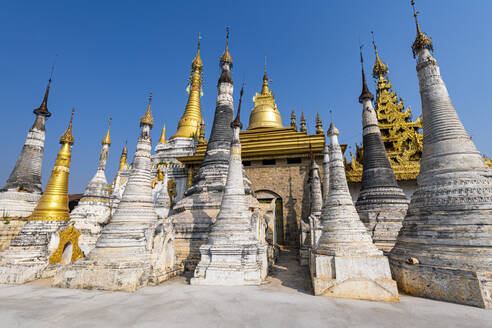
x: 284, y: 301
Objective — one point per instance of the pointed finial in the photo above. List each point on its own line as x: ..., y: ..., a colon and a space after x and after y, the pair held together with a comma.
x: 162, y: 140
x: 226, y: 56
x: 125, y: 148
x: 319, y: 124
x: 379, y: 69
x: 365, y: 94
x: 147, y: 118
x: 43, y: 109
x: 303, y: 123
x: 293, y: 120
x: 422, y: 41
x: 332, y: 131
x: 107, y: 139
x: 201, y: 138
x: 197, y: 61
x: 265, y: 65
x: 67, y: 137
x: 237, y: 120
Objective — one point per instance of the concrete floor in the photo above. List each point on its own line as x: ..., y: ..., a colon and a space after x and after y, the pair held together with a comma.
x: 284, y: 301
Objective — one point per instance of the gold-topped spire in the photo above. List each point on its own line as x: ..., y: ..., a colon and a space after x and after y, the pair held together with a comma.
x: 53, y: 204
x: 43, y: 109
x: 303, y: 123
x: 201, y: 138
x: 67, y: 137
x: 379, y: 68
x: 107, y: 139
x: 226, y: 56
x: 189, y: 124
x: 197, y: 62
x: 162, y: 140
x: 293, y: 120
x: 147, y: 118
x: 124, y: 154
x: 422, y: 41
x: 319, y: 124
x: 265, y: 113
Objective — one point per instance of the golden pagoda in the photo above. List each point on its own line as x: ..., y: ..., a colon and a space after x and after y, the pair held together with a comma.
x: 189, y: 124
x: 265, y: 113
x: 53, y: 204
x: 401, y: 136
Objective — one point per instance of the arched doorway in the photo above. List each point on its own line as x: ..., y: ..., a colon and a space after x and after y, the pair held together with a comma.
x: 271, y: 207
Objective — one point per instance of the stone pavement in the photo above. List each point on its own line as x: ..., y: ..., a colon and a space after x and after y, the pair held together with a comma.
x: 284, y: 301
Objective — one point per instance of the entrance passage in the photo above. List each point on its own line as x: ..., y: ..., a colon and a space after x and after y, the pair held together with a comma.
x: 271, y: 207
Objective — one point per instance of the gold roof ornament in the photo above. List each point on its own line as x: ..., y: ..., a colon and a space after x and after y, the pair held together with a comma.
x: 319, y: 124
x: 201, y: 138
x: 147, y: 118
x: 67, y: 137
x: 303, y: 123
x: 422, y: 41
x: 265, y: 113
x: 53, y: 204
x: 379, y: 68
x: 226, y: 56
x: 401, y: 136
x: 293, y: 120
x: 107, y: 139
x: 124, y: 155
x: 162, y: 140
x: 189, y: 124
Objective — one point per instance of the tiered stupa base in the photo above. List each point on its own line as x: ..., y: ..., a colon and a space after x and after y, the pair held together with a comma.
x: 125, y: 268
x: 446, y: 253
x: 383, y: 218
x: 27, y: 258
x: 231, y: 265
x: 15, y: 204
x: 364, y: 277
x: 89, y: 220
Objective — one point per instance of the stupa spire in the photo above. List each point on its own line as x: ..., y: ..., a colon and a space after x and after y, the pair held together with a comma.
x: 123, y: 157
x: 422, y: 41
x: 303, y: 123
x: 231, y: 236
x: 380, y: 69
x: 319, y: 124
x: 293, y: 120
x: 381, y: 203
x: 148, y: 119
x: 189, y: 124
x: 448, y: 227
x: 345, y: 238
x: 43, y: 109
x: 107, y: 138
x: 53, y: 204
x: 226, y: 56
x: 162, y: 139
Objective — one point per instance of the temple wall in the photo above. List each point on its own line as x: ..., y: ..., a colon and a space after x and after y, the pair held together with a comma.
x: 288, y: 181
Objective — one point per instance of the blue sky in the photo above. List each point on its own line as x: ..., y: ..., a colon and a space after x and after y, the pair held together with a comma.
x: 111, y: 54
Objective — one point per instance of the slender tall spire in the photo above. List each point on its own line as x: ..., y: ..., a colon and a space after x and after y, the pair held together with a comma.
x: 226, y: 56
x: 148, y: 119
x: 53, y: 204
x: 319, y: 124
x: 189, y: 124
x: 43, y: 109
x: 381, y: 204
x: 162, y: 139
x: 123, y: 162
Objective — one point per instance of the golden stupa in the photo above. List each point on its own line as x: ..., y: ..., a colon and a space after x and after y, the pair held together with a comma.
x: 53, y: 204
x: 265, y: 113
x: 189, y: 124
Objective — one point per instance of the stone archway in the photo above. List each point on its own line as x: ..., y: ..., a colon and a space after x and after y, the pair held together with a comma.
x: 271, y: 206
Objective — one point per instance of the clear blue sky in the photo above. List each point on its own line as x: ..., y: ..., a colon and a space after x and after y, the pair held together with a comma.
x: 111, y: 54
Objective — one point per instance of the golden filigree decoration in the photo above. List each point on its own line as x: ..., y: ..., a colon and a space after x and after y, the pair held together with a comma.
x: 401, y: 136
x: 69, y: 235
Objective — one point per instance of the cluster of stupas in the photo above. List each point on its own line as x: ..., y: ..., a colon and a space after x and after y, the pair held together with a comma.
x: 158, y: 217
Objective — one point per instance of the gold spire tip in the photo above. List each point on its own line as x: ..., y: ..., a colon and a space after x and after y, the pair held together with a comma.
x: 422, y: 41
x: 226, y: 56
x: 67, y: 137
